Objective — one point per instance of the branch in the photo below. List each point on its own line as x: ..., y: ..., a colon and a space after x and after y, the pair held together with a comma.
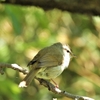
x: 45, y: 83
x: 13, y: 66
x: 74, y: 6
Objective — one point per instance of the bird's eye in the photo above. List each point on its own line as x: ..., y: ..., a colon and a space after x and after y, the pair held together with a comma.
x: 67, y: 51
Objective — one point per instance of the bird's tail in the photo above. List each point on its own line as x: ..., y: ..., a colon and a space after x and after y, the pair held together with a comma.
x: 27, y: 80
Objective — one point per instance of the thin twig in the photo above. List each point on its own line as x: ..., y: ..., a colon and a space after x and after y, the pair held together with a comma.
x: 45, y: 83
x: 13, y: 66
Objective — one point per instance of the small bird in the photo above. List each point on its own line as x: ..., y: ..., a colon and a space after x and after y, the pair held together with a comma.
x: 49, y: 63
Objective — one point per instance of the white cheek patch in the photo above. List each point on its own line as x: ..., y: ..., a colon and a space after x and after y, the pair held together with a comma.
x: 66, y: 59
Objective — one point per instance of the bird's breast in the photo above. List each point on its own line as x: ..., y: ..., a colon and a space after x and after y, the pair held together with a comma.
x: 50, y: 72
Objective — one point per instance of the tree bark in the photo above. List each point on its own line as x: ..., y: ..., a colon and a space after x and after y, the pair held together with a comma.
x: 74, y: 6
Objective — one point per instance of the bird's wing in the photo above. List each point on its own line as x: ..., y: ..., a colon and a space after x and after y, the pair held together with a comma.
x: 50, y: 60
x: 48, y: 57
x: 52, y: 57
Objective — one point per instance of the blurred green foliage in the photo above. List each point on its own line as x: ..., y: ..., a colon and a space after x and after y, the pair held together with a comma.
x: 25, y: 30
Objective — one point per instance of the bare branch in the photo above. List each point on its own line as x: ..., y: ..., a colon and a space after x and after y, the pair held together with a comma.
x: 45, y: 83
x: 13, y: 66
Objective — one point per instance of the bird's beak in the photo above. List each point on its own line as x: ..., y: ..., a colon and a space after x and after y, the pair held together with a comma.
x: 72, y: 55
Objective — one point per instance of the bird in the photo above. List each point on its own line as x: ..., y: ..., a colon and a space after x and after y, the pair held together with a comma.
x: 48, y: 63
